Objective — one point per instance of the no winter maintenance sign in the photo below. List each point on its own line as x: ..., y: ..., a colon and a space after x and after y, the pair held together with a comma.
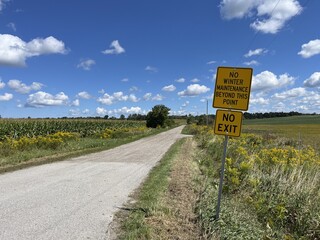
x: 232, y: 89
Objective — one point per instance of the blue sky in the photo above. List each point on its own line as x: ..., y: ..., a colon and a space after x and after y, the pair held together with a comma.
x: 92, y: 58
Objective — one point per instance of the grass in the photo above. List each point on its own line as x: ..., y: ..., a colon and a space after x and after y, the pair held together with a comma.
x: 166, y: 201
x: 179, y: 200
x: 72, y: 148
x: 303, y: 119
x: 135, y: 226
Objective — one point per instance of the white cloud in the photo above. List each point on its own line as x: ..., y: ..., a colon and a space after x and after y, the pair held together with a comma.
x: 230, y: 9
x: 260, y: 101
x: 14, y: 51
x: 101, y: 91
x: 40, y: 46
x: 124, y: 110
x: 251, y: 63
x: 2, y: 84
x: 277, y: 13
x: 266, y: 80
x: 185, y: 104
x: 292, y: 93
x: 22, y: 88
x: 115, y: 48
x: 6, y: 97
x: 74, y: 112
x: 151, y: 69
x: 127, y: 111
x: 169, y: 88
x: 86, y: 111
x: 84, y: 95
x: 86, y: 64
x: 256, y: 52
x: 313, y: 80
x: 158, y: 97
x: 311, y: 98
x: 119, y: 96
x: 147, y: 96
x: 295, y: 99
x: 101, y: 111
x: 12, y: 26
x: 211, y: 62
x: 133, y: 89
x: 180, y: 80
x: 125, y: 80
x: 133, y: 98
x: 179, y: 113
x: 310, y: 49
x: 2, y: 3
x: 76, y: 103
x: 270, y: 15
x: 194, y: 90
x: 107, y: 99
x: 41, y: 99
x: 195, y: 80
x: 214, y: 77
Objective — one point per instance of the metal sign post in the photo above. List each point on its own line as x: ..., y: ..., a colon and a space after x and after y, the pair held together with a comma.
x: 222, y: 175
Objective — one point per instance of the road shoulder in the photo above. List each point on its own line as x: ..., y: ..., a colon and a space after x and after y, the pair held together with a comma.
x: 169, y: 214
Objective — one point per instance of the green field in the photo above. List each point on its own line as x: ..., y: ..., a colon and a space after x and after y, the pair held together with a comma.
x: 304, y: 119
x: 305, y: 130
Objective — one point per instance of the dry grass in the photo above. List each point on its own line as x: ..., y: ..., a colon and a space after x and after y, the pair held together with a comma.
x: 178, y: 220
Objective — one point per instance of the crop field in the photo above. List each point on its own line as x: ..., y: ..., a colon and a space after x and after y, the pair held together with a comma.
x: 26, y: 141
x: 304, y: 130
x: 16, y: 128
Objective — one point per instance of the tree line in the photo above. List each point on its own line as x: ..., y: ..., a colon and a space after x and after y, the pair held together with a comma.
x: 162, y: 112
x: 271, y: 115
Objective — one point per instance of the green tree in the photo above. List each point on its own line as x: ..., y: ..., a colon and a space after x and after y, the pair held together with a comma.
x: 158, y: 116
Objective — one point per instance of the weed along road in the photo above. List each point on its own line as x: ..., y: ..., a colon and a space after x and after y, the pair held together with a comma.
x: 76, y: 198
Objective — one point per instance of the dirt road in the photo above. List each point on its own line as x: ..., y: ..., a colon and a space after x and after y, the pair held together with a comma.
x: 76, y: 198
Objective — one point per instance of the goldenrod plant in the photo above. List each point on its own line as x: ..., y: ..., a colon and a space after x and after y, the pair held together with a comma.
x: 271, y: 189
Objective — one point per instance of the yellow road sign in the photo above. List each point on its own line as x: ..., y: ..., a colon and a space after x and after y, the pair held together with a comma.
x: 232, y: 88
x: 228, y: 123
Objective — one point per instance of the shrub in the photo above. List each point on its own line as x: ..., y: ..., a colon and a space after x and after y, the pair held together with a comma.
x: 158, y: 116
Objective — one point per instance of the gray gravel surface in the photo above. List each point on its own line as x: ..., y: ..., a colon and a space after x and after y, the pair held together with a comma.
x: 76, y: 198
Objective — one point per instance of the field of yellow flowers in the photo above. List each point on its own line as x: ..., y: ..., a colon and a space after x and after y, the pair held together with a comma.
x: 271, y: 188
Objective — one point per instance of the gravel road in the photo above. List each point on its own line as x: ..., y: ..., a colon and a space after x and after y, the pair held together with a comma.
x: 76, y: 198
